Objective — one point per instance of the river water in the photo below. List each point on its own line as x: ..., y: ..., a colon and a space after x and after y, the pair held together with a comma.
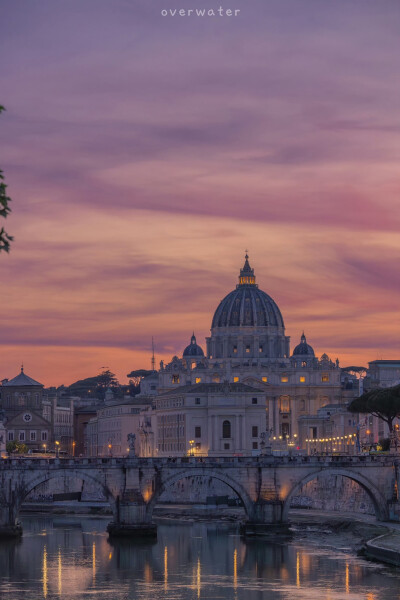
x: 71, y: 558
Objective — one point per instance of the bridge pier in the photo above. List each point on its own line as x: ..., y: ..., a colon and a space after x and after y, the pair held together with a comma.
x: 266, y: 518
x: 9, y: 526
x: 131, y: 519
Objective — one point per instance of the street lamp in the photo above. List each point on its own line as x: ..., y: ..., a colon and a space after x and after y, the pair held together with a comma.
x: 110, y: 449
x: 45, y: 446
x: 191, y: 449
x: 73, y: 448
x: 57, y: 449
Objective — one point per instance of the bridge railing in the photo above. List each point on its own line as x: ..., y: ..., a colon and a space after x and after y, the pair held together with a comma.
x: 190, y: 461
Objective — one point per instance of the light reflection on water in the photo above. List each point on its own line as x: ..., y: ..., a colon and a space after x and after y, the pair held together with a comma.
x: 72, y: 558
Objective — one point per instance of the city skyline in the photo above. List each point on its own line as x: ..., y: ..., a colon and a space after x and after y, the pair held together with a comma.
x: 139, y: 175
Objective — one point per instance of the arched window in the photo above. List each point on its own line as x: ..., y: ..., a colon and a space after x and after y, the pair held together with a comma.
x: 226, y: 429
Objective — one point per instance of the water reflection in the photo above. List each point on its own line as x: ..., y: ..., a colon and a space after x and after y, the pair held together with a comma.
x: 74, y: 559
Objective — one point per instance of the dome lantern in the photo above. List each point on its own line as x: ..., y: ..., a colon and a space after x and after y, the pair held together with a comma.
x: 246, y: 276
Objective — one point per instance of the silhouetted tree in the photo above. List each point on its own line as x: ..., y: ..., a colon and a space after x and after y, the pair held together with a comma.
x: 383, y: 403
x: 5, y: 238
x: 356, y: 371
x: 137, y: 376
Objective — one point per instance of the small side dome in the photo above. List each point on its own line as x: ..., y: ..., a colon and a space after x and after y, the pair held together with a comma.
x: 303, y: 349
x: 193, y: 349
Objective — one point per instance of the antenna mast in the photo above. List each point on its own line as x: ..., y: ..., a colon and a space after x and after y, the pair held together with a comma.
x: 153, y: 358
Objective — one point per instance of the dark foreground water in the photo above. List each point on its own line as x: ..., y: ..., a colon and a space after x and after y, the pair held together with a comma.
x: 69, y: 557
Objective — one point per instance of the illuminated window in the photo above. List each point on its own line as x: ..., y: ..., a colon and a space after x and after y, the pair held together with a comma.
x: 284, y: 379
x: 198, y: 379
x: 236, y: 379
x: 304, y: 363
x: 325, y: 378
x: 234, y: 349
x: 194, y: 365
x: 247, y: 349
x: 302, y: 379
x: 260, y: 349
x: 216, y: 379
x: 265, y: 379
x: 175, y: 378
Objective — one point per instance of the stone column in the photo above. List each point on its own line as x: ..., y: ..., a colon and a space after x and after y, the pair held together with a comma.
x: 276, y: 418
x: 237, y: 444
x: 210, y: 434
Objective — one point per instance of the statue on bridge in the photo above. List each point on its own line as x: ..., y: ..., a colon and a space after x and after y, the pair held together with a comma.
x: 131, y: 437
x: 265, y: 445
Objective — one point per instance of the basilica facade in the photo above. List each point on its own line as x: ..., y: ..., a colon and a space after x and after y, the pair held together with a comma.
x: 247, y: 386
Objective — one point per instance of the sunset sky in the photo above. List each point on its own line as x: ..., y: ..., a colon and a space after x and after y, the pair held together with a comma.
x: 144, y: 154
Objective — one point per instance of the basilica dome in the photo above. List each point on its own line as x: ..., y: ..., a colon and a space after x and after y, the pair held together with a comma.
x: 248, y: 325
x: 247, y: 305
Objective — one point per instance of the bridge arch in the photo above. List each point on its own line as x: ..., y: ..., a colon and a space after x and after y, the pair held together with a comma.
x: 204, y: 472
x: 378, y: 500
x: 43, y: 477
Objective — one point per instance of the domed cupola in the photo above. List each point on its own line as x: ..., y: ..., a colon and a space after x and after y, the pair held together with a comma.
x: 303, y: 349
x: 247, y: 305
x: 247, y: 323
x: 193, y: 349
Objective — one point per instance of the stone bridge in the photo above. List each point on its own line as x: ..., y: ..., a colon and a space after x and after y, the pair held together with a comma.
x: 266, y: 485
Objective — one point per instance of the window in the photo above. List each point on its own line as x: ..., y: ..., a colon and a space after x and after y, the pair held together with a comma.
x: 197, y: 400
x: 247, y: 349
x: 21, y: 436
x: 198, y: 379
x: 302, y: 379
x: 33, y: 436
x: 284, y: 379
x: 153, y: 387
x: 304, y: 363
x: 325, y: 378
x: 197, y: 432
x: 284, y: 402
x: 235, y: 379
x: 226, y: 446
x: 10, y: 436
x: 175, y: 378
x: 313, y: 433
x: 254, y: 431
x: 226, y: 429
x: 255, y: 445
x: 216, y: 379
x: 254, y: 400
x: 260, y: 349
x: 198, y: 446
x: 234, y: 349
x: 265, y: 379
x: 44, y: 436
